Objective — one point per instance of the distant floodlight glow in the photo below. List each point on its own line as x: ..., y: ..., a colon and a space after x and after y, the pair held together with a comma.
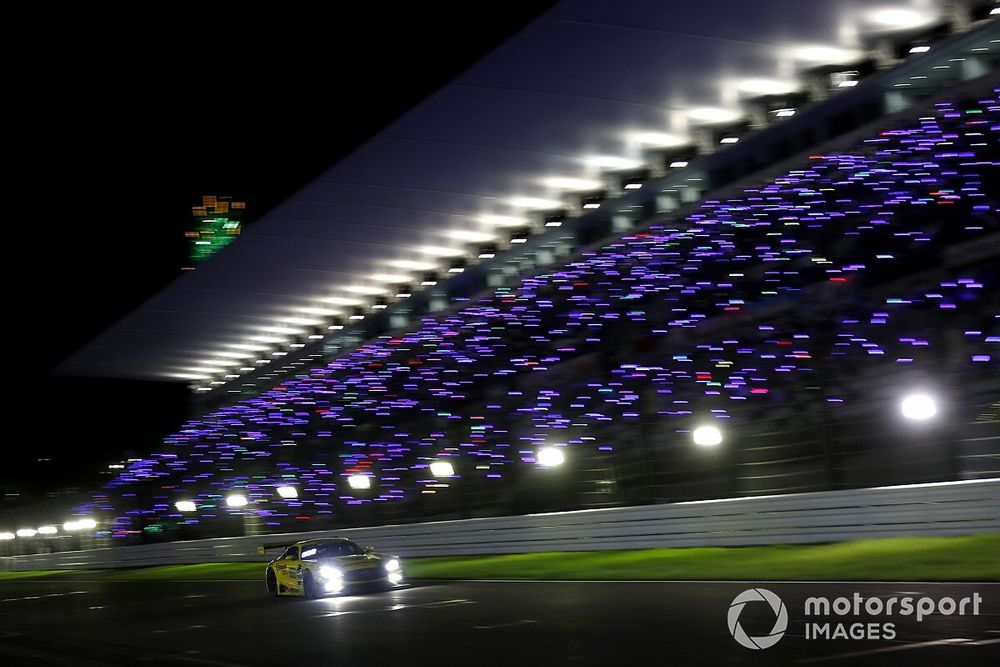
x: 611, y: 162
x: 342, y: 301
x: 713, y: 115
x: 389, y: 277
x: 235, y: 355
x: 267, y: 339
x: 79, y: 524
x: 550, y: 457
x: 7, y: 536
x: 706, y: 436
x: 440, y: 251
x: 367, y: 290
x: 323, y: 312
x: 287, y: 331
x: 193, y: 376
x: 766, y: 86
x: 442, y: 469
x: 247, y: 346
x: 920, y: 49
x: 303, y: 321
x: 185, y: 506
x: 288, y: 492
x: 412, y: 265
x: 47, y: 530
x: 535, y: 203
x: 898, y: 18
x: 236, y: 500
x: 502, y: 220
x: 27, y: 532
x: 569, y: 183
x: 820, y: 53
x: 359, y: 482
x: 918, y: 407
x: 217, y: 362
x: 471, y: 236
x: 662, y: 139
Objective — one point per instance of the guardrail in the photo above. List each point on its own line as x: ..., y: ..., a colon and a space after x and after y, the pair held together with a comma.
x: 947, y: 508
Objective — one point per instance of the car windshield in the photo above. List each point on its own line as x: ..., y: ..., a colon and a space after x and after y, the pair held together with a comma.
x: 333, y: 550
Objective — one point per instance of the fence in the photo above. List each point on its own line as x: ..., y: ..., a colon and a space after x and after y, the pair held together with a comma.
x: 947, y: 508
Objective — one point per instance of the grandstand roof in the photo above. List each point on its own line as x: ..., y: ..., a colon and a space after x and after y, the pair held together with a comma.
x: 586, y: 88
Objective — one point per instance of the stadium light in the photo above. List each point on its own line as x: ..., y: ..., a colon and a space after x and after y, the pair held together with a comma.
x: 7, y: 536
x: 236, y: 500
x: 359, y: 482
x: 714, y: 115
x: 442, y: 469
x: 27, y: 532
x: 918, y: 406
x: 825, y: 54
x: 288, y: 492
x: 898, y: 18
x: 470, y: 236
x: 550, y: 457
x: 571, y: 183
x: 79, y: 524
x: 766, y: 86
x: 707, y: 436
x: 47, y: 530
x: 185, y: 506
x: 502, y: 220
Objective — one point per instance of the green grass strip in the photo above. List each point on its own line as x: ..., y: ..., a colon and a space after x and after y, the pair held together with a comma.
x: 970, y: 558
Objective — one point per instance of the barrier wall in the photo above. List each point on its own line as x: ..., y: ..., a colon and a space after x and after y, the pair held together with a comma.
x: 948, y: 508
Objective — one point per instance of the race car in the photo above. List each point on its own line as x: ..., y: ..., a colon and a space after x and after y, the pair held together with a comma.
x: 328, y: 566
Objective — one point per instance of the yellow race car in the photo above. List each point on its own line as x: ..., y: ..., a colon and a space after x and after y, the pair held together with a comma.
x: 328, y: 566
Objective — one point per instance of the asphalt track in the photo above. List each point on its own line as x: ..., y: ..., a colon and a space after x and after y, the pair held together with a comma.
x: 83, y: 622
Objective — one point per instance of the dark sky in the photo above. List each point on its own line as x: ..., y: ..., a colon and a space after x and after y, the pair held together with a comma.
x: 118, y: 124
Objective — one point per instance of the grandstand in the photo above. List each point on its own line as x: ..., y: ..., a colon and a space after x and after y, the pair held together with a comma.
x: 785, y: 294
x: 792, y: 316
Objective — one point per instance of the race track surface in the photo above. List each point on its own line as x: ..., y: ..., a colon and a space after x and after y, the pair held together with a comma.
x: 81, y: 622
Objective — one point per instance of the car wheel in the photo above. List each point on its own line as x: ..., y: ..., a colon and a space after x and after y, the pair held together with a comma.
x: 309, y: 589
x: 272, y: 583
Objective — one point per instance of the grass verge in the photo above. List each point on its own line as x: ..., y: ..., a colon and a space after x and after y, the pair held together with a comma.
x: 969, y: 558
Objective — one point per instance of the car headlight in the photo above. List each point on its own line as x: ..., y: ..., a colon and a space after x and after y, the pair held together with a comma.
x: 392, y: 565
x: 328, y: 572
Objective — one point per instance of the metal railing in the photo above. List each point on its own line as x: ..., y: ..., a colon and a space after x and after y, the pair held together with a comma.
x: 948, y: 508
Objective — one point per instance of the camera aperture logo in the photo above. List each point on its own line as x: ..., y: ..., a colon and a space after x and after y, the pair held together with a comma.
x: 846, y: 617
x: 780, y: 621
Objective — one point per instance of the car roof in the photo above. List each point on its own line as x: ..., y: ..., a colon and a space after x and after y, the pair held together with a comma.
x: 322, y: 540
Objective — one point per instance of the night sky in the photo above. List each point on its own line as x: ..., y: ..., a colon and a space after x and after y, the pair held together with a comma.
x: 117, y: 132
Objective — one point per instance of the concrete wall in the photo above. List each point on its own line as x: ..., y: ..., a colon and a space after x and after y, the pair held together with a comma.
x: 948, y: 508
